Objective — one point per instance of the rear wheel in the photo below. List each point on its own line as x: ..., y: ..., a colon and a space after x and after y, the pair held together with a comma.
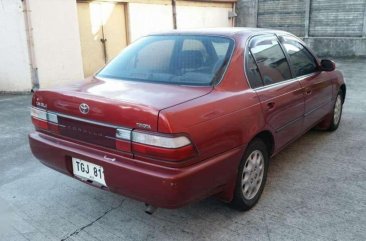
x: 252, y: 175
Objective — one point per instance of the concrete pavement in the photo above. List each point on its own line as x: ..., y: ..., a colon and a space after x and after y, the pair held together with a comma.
x: 316, y: 190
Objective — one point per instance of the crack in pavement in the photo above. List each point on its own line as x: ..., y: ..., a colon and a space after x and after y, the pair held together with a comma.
x: 266, y: 225
x: 77, y: 231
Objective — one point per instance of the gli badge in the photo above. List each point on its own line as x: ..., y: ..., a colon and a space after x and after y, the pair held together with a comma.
x: 84, y: 108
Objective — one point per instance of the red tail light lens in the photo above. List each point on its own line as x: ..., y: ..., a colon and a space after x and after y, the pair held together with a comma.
x: 168, y: 142
x: 166, y: 147
x: 39, y: 123
x: 44, y: 119
x: 155, y: 145
x: 176, y: 154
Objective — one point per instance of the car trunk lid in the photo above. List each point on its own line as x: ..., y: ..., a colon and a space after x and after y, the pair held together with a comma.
x: 93, y: 110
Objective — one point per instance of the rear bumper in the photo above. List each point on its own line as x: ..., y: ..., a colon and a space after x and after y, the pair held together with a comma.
x: 157, y: 185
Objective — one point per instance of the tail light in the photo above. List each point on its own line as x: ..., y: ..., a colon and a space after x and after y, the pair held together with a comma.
x: 154, y: 145
x: 44, y: 119
x: 166, y: 147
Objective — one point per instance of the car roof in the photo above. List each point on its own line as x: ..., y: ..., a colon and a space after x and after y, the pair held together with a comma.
x: 229, y: 32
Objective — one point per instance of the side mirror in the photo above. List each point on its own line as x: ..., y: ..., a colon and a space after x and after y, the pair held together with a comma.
x: 327, y: 65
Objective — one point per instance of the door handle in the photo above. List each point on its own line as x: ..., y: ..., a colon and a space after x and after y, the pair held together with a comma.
x: 270, y: 105
x: 308, y: 91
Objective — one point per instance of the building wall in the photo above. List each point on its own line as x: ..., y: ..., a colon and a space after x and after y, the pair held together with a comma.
x: 331, y: 27
x: 337, y: 18
x: 15, y: 74
x: 145, y: 18
x: 56, y: 38
x: 203, y: 17
x: 282, y: 14
x: 56, y: 41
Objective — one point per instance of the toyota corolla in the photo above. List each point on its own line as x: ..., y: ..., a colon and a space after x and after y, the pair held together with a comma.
x: 183, y: 115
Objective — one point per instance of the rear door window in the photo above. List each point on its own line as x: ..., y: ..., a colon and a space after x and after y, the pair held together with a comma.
x: 302, y: 61
x: 270, y: 59
x: 253, y: 74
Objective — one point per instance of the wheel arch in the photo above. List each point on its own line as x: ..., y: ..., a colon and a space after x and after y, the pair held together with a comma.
x: 343, y: 89
x: 268, y: 139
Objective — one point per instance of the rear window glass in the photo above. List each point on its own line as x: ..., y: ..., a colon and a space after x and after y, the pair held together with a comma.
x: 172, y: 59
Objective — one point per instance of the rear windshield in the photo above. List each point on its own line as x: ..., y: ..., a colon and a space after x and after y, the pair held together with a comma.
x: 173, y: 59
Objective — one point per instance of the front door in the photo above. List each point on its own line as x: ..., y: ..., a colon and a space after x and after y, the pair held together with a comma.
x: 102, y: 33
x: 316, y: 85
x: 281, y: 96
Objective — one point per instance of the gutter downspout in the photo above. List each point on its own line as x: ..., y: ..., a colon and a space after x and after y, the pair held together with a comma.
x: 234, y: 19
x: 30, y: 42
x: 174, y: 8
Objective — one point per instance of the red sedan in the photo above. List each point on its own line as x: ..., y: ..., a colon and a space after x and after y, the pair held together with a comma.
x: 183, y: 115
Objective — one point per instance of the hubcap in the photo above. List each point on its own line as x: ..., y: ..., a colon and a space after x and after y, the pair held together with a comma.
x: 337, y: 110
x: 252, y: 175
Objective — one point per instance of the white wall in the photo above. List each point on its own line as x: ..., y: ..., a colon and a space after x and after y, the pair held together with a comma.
x: 56, y: 41
x: 147, y: 18
x: 202, y: 17
x: 15, y: 74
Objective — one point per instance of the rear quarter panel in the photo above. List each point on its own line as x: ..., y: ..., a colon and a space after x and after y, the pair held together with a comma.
x: 228, y: 117
x: 216, y: 122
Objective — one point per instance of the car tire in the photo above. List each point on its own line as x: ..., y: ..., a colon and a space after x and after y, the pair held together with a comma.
x: 336, y: 112
x: 252, y: 175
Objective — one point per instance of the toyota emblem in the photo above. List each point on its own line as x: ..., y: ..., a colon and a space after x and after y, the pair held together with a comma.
x: 84, y: 108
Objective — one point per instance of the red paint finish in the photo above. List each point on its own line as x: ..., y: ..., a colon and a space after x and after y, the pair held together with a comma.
x: 318, y: 90
x: 283, y: 107
x: 218, y: 121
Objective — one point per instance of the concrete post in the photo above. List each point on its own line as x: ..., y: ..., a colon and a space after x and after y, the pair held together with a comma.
x: 256, y: 12
x: 247, y: 16
x: 364, y: 22
x: 307, y: 17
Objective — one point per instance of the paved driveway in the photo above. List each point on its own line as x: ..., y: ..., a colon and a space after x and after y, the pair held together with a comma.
x: 316, y: 190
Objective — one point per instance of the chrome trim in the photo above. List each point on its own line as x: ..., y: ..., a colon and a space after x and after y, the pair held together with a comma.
x: 84, y: 108
x: 109, y: 158
x: 286, y: 81
x: 289, y: 81
x: 92, y: 122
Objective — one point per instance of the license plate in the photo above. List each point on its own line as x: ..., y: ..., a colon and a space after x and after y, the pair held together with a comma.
x: 88, y: 171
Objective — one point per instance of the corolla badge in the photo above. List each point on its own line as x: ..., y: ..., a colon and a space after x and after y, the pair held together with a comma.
x: 144, y: 126
x: 84, y: 108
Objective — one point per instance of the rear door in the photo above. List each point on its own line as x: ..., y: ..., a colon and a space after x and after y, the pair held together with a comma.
x: 281, y: 96
x: 316, y: 85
